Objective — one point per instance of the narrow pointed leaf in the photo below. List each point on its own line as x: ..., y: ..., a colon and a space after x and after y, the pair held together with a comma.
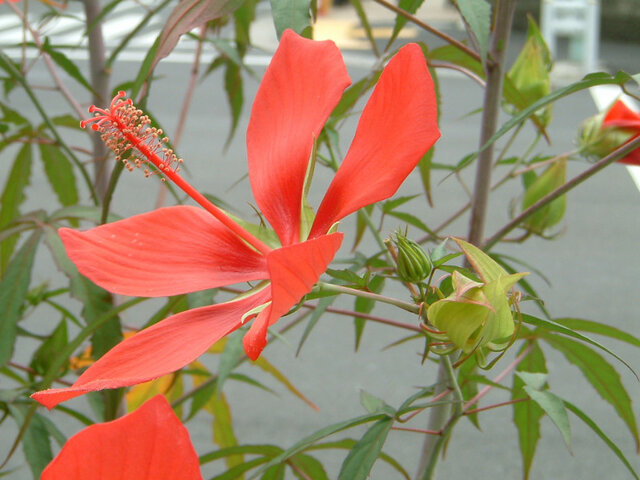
x: 601, y: 375
x: 67, y: 65
x: 12, y: 197
x: 600, y: 329
x: 554, y: 408
x: 558, y: 328
x: 477, y: 14
x: 594, y: 426
x: 320, y: 434
x: 13, y: 291
x: 527, y: 415
x: 291, y: 14
x: 60, y: 174
x: 358, y: 464
x: 272, y: 370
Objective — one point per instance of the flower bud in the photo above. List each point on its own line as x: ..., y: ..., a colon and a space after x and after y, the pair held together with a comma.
x: 414, y: 265
x: 603, y: 133
x: 597, y: 141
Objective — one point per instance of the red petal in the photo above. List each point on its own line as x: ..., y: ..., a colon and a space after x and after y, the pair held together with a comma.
x: 160, y: 349
x: 619, y: 115
x: 165, y: 252
x: 147, y: 444
x: 294, y: 270
x: 633, y: 158
x: 302, y: 85
x: 397, y: 127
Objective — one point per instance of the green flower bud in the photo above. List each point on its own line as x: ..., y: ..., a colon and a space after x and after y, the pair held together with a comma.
x: 597, y: 141
x: 414, y: 265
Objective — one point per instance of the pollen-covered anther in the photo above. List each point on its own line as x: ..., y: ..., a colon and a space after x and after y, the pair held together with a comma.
x: 124, y: 127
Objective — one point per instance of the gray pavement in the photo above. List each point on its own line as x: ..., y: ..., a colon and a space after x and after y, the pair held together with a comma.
x: 594, y: 268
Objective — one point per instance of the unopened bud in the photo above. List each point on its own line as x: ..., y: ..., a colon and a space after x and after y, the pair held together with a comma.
x: 414, y: 265
x: 597, y: 141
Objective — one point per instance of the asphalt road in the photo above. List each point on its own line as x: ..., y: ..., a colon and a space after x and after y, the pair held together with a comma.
x: 593, y: 267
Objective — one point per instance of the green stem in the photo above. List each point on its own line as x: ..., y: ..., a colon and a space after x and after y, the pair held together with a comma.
x: 438, y: 420
x: 323, y: 287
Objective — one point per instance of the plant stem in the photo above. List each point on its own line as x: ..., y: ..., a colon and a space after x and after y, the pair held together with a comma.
x: 574, y: 182
x: 100, y: 83
x: 491, y: 108
x: 490, y: 112
x: 331, y: 288
x: 429, y: 28
x: 440, y: 420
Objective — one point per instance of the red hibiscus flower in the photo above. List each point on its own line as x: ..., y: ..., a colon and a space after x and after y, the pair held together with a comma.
x: 182, y: 249
x: 623, y: 118
x: 147, y: 444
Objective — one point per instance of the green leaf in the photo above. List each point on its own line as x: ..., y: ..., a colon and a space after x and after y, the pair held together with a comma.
x: 366, y: 26
x: 373, y: 404
x: 588, y: 81
x: 599, y: 328
x: 235, y: 97
x: 268, y: 367
x: 308, y: 466
x: 527, y: 415
x: 614, y: 448
x: 477, y: 14
x: 13, y: 291
x: 49, y: 348
x: 601, y: 375
x: 412, y: 220
x: 424, y: 166
x: 554, y: 408
x: 410, y: 6
x: 309, y: 440
x: 229, y: 359
x: 293, y: 14
x: 223, y: 434
x: 60, y: 174
x: 12, y: 197
x: 366, y: 305
x: 363, y: 455
x: 452, y: 54
x: 35, y: 441
x: 67, y: 65
x: 556, y: 327
x: 349, y: 443
x: 321, y: 307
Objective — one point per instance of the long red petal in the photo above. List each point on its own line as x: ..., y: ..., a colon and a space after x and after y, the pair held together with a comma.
x: 302, y: 85
x: 294, y: 270
x: 397, y: 127
x: 165, y: 252
x: 158, y: 350
x: 147, y: 444
x: 620, y: 115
